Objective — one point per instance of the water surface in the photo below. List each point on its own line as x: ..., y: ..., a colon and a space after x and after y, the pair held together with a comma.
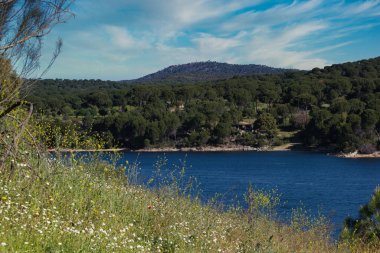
x: 335, y: 186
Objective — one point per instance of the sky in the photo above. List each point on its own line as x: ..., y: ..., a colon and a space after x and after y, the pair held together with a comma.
x: 127, y: 39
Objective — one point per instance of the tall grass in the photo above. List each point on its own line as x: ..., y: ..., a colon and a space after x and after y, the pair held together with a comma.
x: 94, y: 207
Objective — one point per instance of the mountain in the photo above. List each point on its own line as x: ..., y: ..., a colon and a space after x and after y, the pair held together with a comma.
x: 205, y: 71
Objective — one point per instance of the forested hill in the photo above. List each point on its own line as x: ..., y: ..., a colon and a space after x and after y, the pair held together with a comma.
x: 205, y: 71
x: 337, y: 107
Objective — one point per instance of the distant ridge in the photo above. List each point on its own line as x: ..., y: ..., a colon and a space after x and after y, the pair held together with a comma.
x: 206, y: 71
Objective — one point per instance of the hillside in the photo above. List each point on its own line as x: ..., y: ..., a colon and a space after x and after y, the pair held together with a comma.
x: 205, y: 71
x: 336, y: 108
x: 97, y: 208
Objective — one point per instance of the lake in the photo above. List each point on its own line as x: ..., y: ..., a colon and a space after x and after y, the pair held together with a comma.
x: 336, y: 187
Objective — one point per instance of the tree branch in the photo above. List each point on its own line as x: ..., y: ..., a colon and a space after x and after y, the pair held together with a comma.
x: 13, y: 44
x: 23, y: 126
x: 10, y: 109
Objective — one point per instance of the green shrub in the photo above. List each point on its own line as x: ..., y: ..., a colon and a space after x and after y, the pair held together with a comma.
x: 366, y: 227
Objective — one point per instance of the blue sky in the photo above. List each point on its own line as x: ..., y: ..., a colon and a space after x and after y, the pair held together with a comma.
x: 125, y: 39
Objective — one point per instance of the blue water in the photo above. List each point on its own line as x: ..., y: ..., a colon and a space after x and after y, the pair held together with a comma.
x: 334, y: 186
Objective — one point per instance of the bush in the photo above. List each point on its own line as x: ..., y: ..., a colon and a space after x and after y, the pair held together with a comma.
x: 248, y: 139
x: 367, y: 227
x: 278, y: 142
x: 367, y: 148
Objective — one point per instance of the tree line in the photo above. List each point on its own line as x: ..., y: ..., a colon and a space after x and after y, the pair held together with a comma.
x: 337, y: 107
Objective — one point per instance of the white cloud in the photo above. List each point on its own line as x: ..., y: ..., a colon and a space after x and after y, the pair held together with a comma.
x: 189, y: 12
x: 370, y: 8
x: 276, y: 15
x: 281, y: 49
x: 208, y: 44
x: 122, y: 39
x: 293, y: 34
x: 135, y: 37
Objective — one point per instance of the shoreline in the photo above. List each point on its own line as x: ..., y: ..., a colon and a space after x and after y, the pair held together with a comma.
x: 221, y: 148
x: 197, y: 149
x: 356, y: 155
x: 70, y: 150
x: 226, y: 148
x: 212, y: 149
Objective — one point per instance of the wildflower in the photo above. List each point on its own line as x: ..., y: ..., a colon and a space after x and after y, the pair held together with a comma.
x: 3, y: 244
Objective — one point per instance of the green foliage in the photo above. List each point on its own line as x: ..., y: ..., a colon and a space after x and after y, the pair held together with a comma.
x: 261, y: 202
x: 61, y: 134
x: 198, y: 138
x: 366, y: 227
x: 15, y: 137
x: 336, y: 107
x: 266, y: 124
x: 97, y: 207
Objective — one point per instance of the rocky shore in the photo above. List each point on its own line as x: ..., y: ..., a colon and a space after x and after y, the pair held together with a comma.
x: 224, y: 148
x: 227, y: 148
x: 357, y: 155
x: 221, y: 148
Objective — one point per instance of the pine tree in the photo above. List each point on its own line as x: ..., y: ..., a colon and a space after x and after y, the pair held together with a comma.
x: 367, y: 226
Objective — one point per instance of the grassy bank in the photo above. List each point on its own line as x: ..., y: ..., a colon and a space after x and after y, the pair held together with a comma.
x: 93, y: 208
